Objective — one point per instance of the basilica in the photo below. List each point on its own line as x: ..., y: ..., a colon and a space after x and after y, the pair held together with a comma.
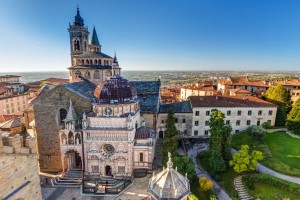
x: 99, y: 124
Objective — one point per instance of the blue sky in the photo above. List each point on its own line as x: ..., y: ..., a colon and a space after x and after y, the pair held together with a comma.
x: 155, y: 35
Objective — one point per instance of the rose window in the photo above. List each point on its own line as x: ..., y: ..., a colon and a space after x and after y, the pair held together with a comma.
x: 107, y: 150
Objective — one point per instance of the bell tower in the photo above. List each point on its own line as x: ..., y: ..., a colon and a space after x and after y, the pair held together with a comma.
x: 78, y: 36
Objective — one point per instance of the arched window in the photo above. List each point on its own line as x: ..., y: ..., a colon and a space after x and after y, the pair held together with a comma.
x: 141, y: 157
x: 85, y: 45
x: 87, y: 74
x: 82, y: 62
x: 70, y: 138
x: 87, y: 62
x: 62, y: 115
x: 99, y: 62
x: 91, y: 62
x: 76, y: 45
x: 96, y: 62
x: 96, y: 74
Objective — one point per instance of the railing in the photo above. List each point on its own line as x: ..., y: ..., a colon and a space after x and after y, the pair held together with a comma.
x: 147, y: 165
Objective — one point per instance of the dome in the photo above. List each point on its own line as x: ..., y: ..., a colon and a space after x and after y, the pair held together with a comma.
x: 115, y: 90
x: 78, y: 20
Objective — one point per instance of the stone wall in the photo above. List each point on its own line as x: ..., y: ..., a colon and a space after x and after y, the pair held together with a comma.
x: 19, y: 175
x: 46, y: 111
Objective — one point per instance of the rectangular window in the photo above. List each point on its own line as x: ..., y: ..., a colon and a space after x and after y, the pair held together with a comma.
x: 207, y: 113
x: 206, y: 123
x: 206, y: 132
x: 249, y: 112
x: 228, y: 112
x: 176, y: 120
x: 228, y: 122
x: 196, y: 123
x: 197, y: 113
x: 269, y: 122
x: 270, y: 112
x: 237, y: 131
x: 248, y: 122
x: 259, y: 112
x: 121, y: 169
x: 162, y: 121
x: 95, y: 169
x: 195, y: 133
x: 238, y: 122
x: 239, y: 112
x: 183, y: 121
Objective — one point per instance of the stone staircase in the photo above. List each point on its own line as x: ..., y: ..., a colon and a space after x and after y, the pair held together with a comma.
x: 239, y: 187
x: 158, y: 157
x: 71, y: 179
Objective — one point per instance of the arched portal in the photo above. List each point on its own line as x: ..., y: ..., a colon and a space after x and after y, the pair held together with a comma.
x: 72, y: 160
x: 108, y: 171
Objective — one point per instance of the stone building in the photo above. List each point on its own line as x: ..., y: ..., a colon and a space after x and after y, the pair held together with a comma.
x: 87, y: 58
x: 60, y: 144
x: 183, y: 118
x: 240, y: 112
x: 169, y: 184
x: 19, y: 177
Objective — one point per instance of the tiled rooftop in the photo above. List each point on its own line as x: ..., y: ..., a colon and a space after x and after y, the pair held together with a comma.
x: 84, y: 89
x: 178, y: 107
x: 93, y: 55
x: 222, y: 101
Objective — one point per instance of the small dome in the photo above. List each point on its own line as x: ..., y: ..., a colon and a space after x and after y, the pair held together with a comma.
x: 115, y: 90
x: 78, y: 20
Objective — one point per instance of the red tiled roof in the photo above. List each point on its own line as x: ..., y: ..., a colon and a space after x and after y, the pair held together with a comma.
x: 57, y: 81
x: 232, y: 101
x: 4, y: 118
x: 240, y: 91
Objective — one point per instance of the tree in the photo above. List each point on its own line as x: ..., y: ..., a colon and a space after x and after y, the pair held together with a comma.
x: 185, y: 165
x: 256, y: 132
x: 279, y: 96
x: 192, y: 197
x: 205, y: 184
x: 171, y: 137
x: 220, y: 141
x: 293, y: 118
x: 243, y: 162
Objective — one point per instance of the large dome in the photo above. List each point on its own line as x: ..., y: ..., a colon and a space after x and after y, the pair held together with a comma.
x: 115, y: 90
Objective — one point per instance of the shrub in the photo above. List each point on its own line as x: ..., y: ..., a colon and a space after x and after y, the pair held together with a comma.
x: 256, y: 132
x: 205, y: 184
x: 267, y: 179
x: 192, y: 197
x: 266, y: 125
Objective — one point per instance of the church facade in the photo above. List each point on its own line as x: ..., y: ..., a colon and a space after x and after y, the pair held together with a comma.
x: 100, y: 122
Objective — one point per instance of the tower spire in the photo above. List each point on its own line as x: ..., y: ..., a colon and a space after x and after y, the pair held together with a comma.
x: 94, y: 39
x: 78, y: 21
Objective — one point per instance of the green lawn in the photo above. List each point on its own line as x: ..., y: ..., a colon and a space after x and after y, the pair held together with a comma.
x: 281, y: 152
x: 226, y: 178
x: 267, y: 192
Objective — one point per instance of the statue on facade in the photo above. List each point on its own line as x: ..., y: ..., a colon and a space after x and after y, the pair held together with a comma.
x: 129, y: 121
x: 77, y: 141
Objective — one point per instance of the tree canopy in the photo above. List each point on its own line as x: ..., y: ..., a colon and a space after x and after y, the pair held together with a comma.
x: 220, y: 141
x: 293, y: 118
x: 279, y: 96
x: 243, y: 162
x: 171, y: 137
x: 185, y: 165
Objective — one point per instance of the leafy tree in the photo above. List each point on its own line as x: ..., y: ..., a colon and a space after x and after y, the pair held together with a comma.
x: 171, y: 137
x: 185, y: 165
x: 220, y: 141
x: 205, y: 184
x: 256, y: 132
x: 243, y: 162
x: 293, y: 118
x: 192, y: 197
x: 266, y: 125
x: 279, y: 96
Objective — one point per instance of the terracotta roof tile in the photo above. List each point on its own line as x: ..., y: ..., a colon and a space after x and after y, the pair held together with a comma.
x: 233, y: 101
